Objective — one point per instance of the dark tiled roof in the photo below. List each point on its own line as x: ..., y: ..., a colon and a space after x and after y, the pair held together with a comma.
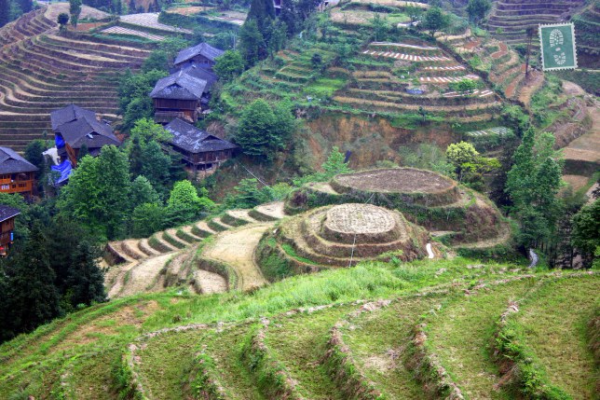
x: 180, y: 86
x: 89, y: 131
x: 13, y: 163
x: 192, y: 139
x: 7, y: 212
x: 68, y: 114
x: 201, y: 73
x: 204, y: 49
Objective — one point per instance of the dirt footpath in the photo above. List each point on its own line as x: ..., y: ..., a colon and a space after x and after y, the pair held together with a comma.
x: 236, y: 248
x: 141, y: 276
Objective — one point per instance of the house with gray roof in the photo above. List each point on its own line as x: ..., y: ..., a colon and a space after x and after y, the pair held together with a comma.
x: 77, y: 127
x: 202, y: 55
x: 180, y: 95
x: 17, y: 175
x: 199, y: 149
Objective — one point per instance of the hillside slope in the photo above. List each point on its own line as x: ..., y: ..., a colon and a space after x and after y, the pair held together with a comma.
x: 373, y: 331
x: 42, y: 70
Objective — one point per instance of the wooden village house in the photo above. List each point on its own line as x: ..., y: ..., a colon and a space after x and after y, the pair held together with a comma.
x: 182, y: 94
x: 202, y: 55
x: 75, y: 127
x: 7, y: 226
x: 200, y: 150
x: 17, y: 175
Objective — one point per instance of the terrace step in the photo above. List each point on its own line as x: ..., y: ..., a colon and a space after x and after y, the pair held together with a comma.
x: 131, y: 249
x: 170, y: 236
x: 217, y: 225
x: 268, y: 212
x: 159, y: 244
x: 145, y: 248
x: 382, y: 363
x: 201, y: 229
x: 460, y: 329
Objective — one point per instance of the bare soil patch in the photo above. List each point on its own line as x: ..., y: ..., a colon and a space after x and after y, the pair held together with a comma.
x: 191, y: 10
x: 209, y: 282
x: 397, y: 180
x: 86, y: 12
x: 142, y: 276
x: 359, y: 219
x: 236, y: 248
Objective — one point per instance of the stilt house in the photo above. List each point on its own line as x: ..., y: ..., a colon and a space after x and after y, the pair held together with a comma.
x: 199, y: 149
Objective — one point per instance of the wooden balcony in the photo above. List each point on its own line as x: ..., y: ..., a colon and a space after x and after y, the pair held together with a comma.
x: 6, y: 186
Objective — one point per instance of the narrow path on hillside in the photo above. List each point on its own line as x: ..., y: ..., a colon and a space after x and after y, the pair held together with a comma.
x: 236, y: 248
x: 137, y: 279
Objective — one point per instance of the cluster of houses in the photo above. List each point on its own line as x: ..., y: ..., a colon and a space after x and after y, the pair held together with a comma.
x: 179, y: 100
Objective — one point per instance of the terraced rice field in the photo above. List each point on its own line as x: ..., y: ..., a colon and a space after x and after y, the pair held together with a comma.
x: 360, y: 348
x: 388, y: 91
x: 150, y: 20
x: 172, y: 258
x: 41, y: 70
x: 119, y: 30
x: 497, y: 131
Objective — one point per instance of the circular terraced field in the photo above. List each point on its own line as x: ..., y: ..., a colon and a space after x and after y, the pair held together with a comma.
x: 396, y: 180
x: 344, y: 234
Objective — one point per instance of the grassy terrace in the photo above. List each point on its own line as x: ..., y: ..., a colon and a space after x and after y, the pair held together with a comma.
x: 356, y: 75
x: 80, y: 356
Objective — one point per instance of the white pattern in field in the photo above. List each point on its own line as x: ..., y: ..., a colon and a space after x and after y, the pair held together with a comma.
x: 150, y: 20
x: 119, y: 30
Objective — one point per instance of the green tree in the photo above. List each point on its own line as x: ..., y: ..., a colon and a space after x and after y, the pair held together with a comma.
x: 229, y: 65
x: 85, y: 281
x: 251, y: 44
x: 156, y: 167
x: 34, y: 299
x: 134, y: 102
x: 435, y: 20
x: 263, y: 13
x: 147, y: 219
x: 586, y: 230
x: 335, y: 164
x: 142, y: 192
x: 379, y: 27
x: 157, y: 61
x: 62, y: 20
x: 185, y: 205
x: 33, y: 154
x: 258, y: 132
x: 97, y: 194
x: 75, y: 11
x: 248, y: 195
x: 532, y: 184
x: 146, y: 130
x: 477, y: 10
x: 469, y: 165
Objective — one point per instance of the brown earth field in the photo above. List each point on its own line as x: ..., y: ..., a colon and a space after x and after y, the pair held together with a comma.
x: 396, y: 180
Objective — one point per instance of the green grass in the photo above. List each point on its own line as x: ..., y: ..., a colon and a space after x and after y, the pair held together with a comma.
x: 90, y: 376
x: 164, y: 362
x: 290, y: 251
x: 461, y: 334
x: 299, y: 343
x: 224, y: 349
x: 324, y: 87
x: 377, y: 341
x: 553, y: 324
x: 34, y: 363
